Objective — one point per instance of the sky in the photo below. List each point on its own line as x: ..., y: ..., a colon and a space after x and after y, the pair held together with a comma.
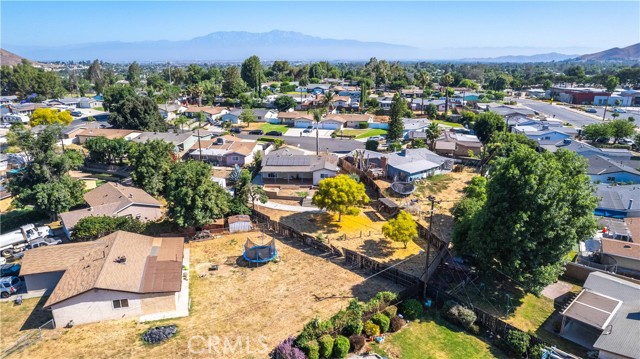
x: 568, y: 27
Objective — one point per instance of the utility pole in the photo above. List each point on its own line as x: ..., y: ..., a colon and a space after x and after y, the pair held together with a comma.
x: 433, y: 201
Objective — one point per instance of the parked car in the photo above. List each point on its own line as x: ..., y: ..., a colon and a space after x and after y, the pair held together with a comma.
x: 591, y: 110
x: 235, y: 130
x: 11, y: 269
x: 376, y: 138
x: 76, y: 113
x: 274, y: 133
x: 256, y: 132
x: 308, y: 129
x: 43, y: 242
x: 620, y: 110
x: 9, y: 286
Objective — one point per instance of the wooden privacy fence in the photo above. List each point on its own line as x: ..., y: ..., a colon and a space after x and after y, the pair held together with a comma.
x: 379, y: 269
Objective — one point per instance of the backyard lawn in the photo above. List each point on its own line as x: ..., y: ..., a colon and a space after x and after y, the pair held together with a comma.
x: 433, y: 337
x: 447, y: 123
x: 363, y: 133
x: 273, y: 127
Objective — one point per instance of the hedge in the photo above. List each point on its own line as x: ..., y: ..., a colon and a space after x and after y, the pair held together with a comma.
x: 326, y: 346
x: 382, y: 321
x: 341, y: 347
x: 412, y: 309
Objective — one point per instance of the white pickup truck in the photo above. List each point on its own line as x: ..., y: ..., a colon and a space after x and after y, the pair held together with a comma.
x: 17, y: 241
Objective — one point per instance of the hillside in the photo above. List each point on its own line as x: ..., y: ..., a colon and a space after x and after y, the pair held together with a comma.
x: 629, y: 53
x: 10, y: 59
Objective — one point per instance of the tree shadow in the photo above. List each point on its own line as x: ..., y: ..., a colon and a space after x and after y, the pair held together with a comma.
x: 377, y: 248
x: 38, y: 315
x: 312, y: 222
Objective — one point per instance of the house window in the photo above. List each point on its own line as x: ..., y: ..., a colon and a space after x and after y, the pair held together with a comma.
x: 271, y: 175
x: 120, y: 303
x: 236, y: 158
x: 324, y: 175
x: 611, y: 179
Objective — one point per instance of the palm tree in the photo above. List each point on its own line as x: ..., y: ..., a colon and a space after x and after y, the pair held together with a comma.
x: 446, y: 80
x: 328, y: 98
x: 433, y: 132
x: 424, y: 80
x: 317, y: 117
x: 180, y: 121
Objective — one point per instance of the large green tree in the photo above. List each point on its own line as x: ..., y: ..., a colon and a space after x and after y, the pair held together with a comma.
x: 116, y: 94
x: 621, y: 129
x: 284, y: 103
x: 252, y: 74
x: 397, y: 111
x: 537, y: 207
x: 94, y: 227
x: 233, y: 84
x: 488, y: 123
x: 341, y: 194
x: 133, y: 74
x: 44, y: 182
x: 402, y: 228
x: 611, y: 84
x: 95, y: 73
x: 150, y: 165
x: 194, y: 199
x: 137, y: 113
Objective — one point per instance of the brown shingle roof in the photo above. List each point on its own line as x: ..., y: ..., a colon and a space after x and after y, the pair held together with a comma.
x: 212, y: 110
x: 125, y: 262
x: 621, y: 248
x: 295, y: 115
x: 54, y: 258
x: 348, y: 117
x: 239, y: 218
x: 231, y: 145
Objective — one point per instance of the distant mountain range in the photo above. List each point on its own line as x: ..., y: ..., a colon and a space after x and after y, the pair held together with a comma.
x: 235, y: 46
x: 224, y: 46
x: 552, y: 56
x: 629, y: 53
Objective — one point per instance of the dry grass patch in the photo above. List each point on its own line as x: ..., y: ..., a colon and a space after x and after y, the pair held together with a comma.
x: 257, y: 304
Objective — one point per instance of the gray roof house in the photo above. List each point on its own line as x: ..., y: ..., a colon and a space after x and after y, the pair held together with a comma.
x: 606, y: 170
x: 182, y: 141
x: 406, y: 165
x: 618, y: 201
x: 290, y: 166
x: 605, y: 316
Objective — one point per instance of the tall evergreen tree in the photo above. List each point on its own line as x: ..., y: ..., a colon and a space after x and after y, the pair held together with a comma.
x: 398, y: 109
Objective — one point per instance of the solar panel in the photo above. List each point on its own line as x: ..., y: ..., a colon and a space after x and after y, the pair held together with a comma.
x: 289, y: 161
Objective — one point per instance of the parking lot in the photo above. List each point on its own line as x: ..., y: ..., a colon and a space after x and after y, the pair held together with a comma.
x: 299, y: 132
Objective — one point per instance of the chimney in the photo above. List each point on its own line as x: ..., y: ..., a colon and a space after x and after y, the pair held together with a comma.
x: 130, y: 195
x: 630, y: 204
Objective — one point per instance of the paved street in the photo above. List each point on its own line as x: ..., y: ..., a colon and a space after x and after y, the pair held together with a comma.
x: 309, y: 143
x: 575, y: 118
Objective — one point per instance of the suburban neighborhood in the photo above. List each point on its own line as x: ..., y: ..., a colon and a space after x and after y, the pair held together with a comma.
x: 342, y: 206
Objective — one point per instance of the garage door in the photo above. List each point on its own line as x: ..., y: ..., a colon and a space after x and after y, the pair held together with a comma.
x: 329, y: 126
x: 302, y: 124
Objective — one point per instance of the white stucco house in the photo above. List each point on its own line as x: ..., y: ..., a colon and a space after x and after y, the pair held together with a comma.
x: 121, y: 275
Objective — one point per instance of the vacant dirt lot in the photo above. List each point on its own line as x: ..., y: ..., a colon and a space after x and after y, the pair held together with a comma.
x: 257, y: 306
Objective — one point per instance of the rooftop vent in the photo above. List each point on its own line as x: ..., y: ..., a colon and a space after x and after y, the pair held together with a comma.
x: 121, y: 260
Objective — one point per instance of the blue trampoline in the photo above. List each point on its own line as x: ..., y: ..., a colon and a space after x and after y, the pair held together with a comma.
x: 259, y: 253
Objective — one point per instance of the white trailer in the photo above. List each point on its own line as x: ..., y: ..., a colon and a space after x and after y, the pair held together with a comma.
x: 16, y: 241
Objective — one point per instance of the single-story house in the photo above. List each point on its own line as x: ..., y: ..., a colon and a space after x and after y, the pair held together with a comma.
x: 462, y: 144
x: 586, y: 150
x: 606, y: 170
x: 406, y: 165
x: 622, y: 201
x: 345, y: 120
x: 88, y: 102
x: 212, y: 113
x: 24, y: 108
x: 341, y: 101
x: 624, y: 255
x: 109, y: 133
x: 261, y: 115
x: 116, y: 200
x: 226, y: 151
x: 7, y: 99
x: 414, y: 125
x: 121, y: 275
x: 604, y: 316
x: 295, y: 118
x: 171, y: 110
x: 314, y: 88
x: 232, y: 116
x: 182, y: 142
x: 551, y: 134
x: 420, y: 104
x: 289, y: 166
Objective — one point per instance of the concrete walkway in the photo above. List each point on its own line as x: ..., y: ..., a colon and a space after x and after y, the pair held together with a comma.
x: 182, y: 305
x: 288, y: 208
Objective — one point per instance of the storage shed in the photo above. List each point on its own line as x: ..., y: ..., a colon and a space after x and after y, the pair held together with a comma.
x: 239, y: 223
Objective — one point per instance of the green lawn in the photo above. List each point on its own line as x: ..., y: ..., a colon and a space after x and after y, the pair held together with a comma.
x: 99, y: 108
x: 433, y: 337
x: 271, y: 127
x: 446, y: 123
x: 363, y: 133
